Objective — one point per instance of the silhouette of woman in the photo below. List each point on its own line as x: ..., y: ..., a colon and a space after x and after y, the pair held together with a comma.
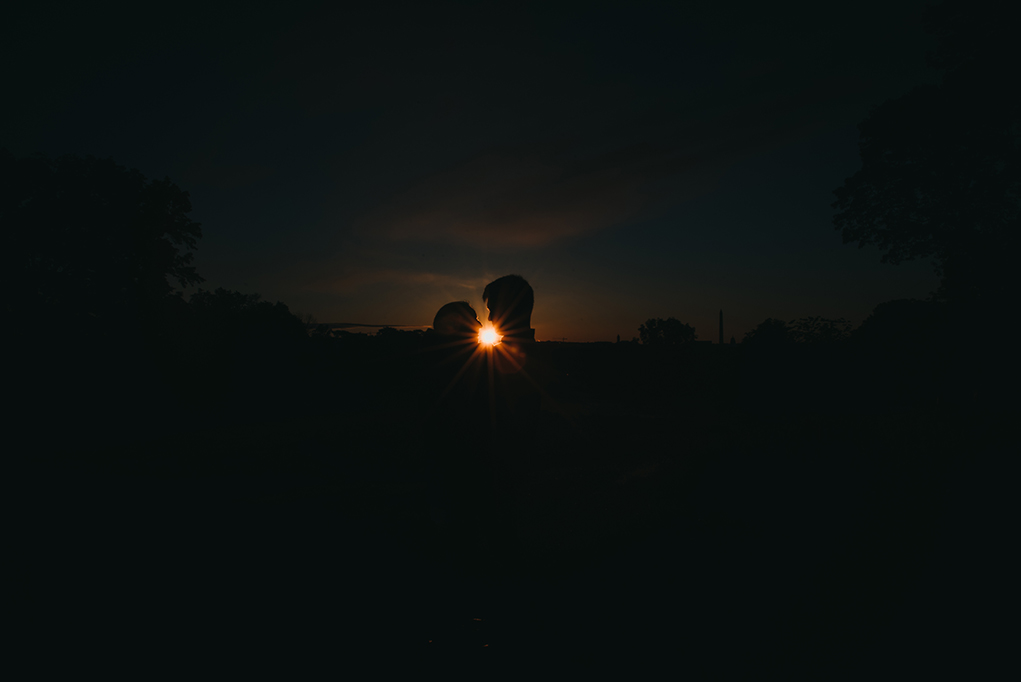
x: 455, y: 407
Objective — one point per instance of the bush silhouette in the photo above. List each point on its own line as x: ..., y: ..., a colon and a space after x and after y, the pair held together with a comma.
x: 770, y: 332
x: 669, y: 332
x: 819, y: 330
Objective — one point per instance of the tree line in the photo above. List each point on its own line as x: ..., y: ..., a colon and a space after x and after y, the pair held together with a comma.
x: 903, y: 321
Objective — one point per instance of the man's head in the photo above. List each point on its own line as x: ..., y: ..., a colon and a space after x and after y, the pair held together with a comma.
x: 510, y: 300
x: 457, y: 319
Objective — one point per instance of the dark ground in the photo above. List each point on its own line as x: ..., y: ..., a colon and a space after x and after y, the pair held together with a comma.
x: 669, y: 512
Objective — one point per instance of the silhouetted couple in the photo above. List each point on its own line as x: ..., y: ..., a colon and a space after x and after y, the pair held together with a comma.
x: 477, y: 396
x: 509, y: 301
x: 487, y: 377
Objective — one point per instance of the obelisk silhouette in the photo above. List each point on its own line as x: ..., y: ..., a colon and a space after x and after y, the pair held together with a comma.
x: 721, y: 326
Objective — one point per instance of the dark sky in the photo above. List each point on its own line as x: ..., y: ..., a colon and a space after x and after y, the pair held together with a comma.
x: 630, y: 160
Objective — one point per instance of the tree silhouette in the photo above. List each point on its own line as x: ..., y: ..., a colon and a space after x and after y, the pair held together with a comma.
x: 903, y: 324
x: 941, y: 170
x: 92, y: 243
x: 769, y: 332
x: 808, y: 330
x: 669, y: 332
x: 233, y: 315
x: 225, y: 338
x: 819, y: 330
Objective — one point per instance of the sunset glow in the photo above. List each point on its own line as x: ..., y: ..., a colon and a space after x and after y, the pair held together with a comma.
x: 489, y: 337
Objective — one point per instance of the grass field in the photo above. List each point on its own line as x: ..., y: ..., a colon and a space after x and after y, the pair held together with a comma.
x: 671, y: 528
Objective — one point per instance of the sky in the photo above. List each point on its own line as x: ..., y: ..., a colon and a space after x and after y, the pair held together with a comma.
x: 630, y: 160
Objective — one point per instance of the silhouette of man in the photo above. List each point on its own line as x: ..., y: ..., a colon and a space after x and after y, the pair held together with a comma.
x: 510, y: 300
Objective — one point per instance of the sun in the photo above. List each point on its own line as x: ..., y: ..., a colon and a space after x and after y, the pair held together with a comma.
x: 489, y: 337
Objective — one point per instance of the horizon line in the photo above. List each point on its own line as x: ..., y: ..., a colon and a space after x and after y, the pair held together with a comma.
x: 344, y: 325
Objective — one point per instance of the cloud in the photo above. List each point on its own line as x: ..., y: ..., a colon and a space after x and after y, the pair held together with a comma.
x: 635, y: 167
x: 504, y: 201
x: 534, y: 129
x: 351, y: 280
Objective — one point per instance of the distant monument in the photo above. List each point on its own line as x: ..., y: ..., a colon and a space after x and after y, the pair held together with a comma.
x: 721, y: 326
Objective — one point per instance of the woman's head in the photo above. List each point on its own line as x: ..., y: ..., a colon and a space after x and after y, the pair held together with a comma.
x: 457, y: 319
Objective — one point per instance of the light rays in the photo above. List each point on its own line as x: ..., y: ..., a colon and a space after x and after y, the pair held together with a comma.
x: 488, y: 336
x: 481, y: 359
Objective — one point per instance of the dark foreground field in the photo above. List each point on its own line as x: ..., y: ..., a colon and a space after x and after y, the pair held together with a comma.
x: 665, y: 513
